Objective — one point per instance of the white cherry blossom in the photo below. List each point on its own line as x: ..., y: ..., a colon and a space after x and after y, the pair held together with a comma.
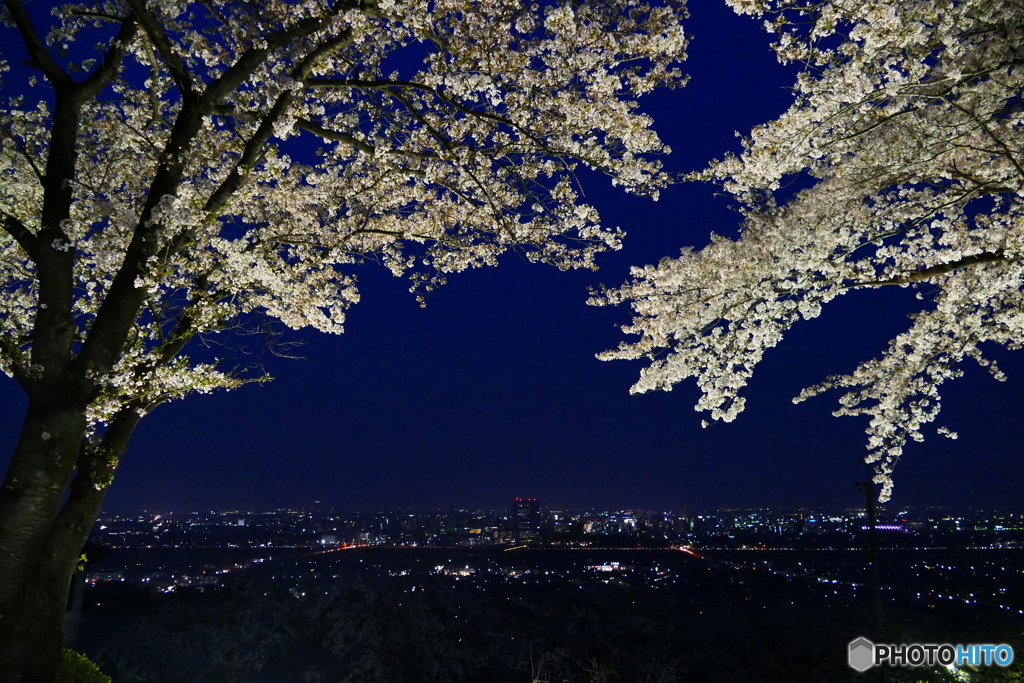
x: 909, y: 123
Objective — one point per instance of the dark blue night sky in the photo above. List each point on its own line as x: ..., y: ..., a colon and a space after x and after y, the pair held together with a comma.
x: 493, y: 390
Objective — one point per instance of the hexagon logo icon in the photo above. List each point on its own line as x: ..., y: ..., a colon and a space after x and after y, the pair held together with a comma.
x: 861, y: 655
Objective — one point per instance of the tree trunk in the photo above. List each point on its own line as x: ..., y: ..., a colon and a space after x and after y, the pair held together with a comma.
x: 31, y: 626
x: 40, y: 539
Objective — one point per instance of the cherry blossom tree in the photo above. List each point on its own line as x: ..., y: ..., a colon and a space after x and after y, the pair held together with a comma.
x: 906, y: 134
x: 172, y: 169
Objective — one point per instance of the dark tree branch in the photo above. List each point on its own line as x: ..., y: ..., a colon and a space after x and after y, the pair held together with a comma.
x: 942, y: 269
x: 254, y: 57
x: 255, y: 145
x: 159, y: 39
x: 388, y: 85
x: 22, y: 235
x: 108, y: 68
x: 30, y: 158
x: 185, y: 328
x: 37, y: 50
x: 9, y: 347
x: 338, y: 136
x: 251, y: 154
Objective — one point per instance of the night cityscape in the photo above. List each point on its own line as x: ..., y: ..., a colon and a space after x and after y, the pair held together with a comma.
x: 525, y: 522
x: 943, y: 573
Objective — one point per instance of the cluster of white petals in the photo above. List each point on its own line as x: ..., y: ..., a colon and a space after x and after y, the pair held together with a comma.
x: 907, y: 131
x: 243, y: 158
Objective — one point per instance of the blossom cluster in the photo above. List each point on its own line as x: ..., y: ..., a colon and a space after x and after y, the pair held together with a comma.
x: 908, y: 121
x: 246, y: 157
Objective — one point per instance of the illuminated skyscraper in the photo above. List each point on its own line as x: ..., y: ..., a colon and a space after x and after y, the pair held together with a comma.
x: 526, y: 519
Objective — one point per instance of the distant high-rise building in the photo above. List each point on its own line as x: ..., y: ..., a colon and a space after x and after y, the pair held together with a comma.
x: 526, y: 519
x: 683, y: 521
